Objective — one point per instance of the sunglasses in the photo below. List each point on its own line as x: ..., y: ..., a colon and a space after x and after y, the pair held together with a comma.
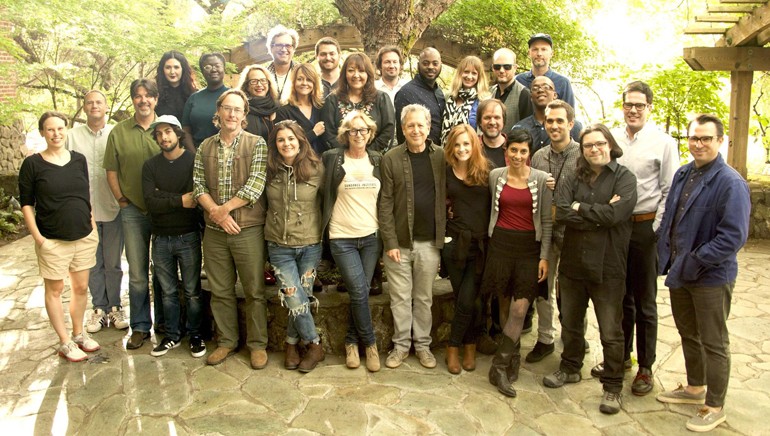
x: 507, y: 67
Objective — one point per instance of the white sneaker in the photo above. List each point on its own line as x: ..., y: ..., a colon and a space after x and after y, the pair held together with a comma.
x: 71, y: 352
x: 86, y: 343
x: 395, y: 358
x: 118, y: 318
x: 427, y: 359
x: 95, y: 322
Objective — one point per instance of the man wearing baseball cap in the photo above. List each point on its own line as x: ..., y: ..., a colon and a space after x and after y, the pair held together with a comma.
x: 540, y: 53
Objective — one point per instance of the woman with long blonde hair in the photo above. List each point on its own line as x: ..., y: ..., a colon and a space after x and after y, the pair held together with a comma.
x: 469, y: 87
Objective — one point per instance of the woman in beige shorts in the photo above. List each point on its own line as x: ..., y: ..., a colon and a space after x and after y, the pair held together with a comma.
x: 54, y: 193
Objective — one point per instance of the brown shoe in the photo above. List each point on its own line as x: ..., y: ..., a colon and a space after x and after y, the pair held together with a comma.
x: 453, y: 359
x: 372, y: 358
x: 315, y: 353
x: 219, y: 355
x: 469, y: 357
x: 291, y: 361
x: 258, y: 359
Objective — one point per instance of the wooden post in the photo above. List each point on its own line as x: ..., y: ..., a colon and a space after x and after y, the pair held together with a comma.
x: 740, y: 105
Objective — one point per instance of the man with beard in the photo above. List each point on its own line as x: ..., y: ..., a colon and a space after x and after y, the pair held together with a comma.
x: 513, y: 94
x: 540, y: 53
x: 327, y: 52
x: 389, y: 61
x: 424, y: 91
x: 543, y: 92
x: 491, y: 115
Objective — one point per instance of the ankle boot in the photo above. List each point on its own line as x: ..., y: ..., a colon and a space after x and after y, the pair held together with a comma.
x: 513, y: 368
x: 469, y: 357
x: 498, y: 372
x: 291, y: 360
x: 315, y: 353
x: 453, y: 359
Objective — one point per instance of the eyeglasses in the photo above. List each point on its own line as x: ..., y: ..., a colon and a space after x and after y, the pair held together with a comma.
x: 597, y: 144
x: 639, y: 106
x: 507, y: 67
x: 254, y: 82
x: 282, y: 46
x: 362, y: 132
x: 704, y: 140
x: 235, y: 110
x: 210, y: 67
x: 544, y: 88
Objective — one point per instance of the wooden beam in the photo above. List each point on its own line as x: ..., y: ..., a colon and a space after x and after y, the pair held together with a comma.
x: 727, y: 58
x: 740, y: 9
x: 727, y: 2
x: 763, y: 37
x: 717, y: 18
x: 740, y: 106
x: 696, y: 30
x: 747, y: 29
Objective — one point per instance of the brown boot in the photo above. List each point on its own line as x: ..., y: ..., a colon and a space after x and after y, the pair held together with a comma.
x: 219, y: 355
x: 453, y: 359
x: 469, y: 357
x: 258, y: 359
x: 291, y: 361
x: 315, y: 353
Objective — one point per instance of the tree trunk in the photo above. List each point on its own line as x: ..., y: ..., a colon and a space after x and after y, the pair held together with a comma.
x: 391, y: 22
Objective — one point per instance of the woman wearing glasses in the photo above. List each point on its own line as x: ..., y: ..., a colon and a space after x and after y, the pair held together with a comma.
x: 356, y: 92
x: 176, y: 83
x: 263, y: 99
x: 304, y: 104
x: 293, y: 235
x: 469, y: 86
x: 350, y: 222
x: 520, y: 237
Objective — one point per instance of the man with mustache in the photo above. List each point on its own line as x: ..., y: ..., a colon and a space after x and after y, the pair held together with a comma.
x: 327, y: 52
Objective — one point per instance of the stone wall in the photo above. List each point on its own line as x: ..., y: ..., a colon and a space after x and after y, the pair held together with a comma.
x: 12, y: 148
x: 760, y: 210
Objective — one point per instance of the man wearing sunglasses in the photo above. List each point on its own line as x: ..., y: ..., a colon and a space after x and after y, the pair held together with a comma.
x: 515, y: 95
x: 540, y: 53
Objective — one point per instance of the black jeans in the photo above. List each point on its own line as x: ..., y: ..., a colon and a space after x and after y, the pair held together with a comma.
x: 639, y: 307
x: 465, y: 285
x: 607, y: 298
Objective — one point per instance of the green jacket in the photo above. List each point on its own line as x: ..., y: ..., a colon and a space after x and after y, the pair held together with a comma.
x: 294, y: 209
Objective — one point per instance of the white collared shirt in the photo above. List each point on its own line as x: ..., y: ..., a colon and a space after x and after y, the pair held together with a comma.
x: 653, y: 157
x: 382, y: 86
x: 92, y: 145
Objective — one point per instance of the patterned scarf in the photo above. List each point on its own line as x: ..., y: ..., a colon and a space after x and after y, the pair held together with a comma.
x: 455, y: 115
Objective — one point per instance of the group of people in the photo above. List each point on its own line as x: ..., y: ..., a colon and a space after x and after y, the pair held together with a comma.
x: 494, y: 182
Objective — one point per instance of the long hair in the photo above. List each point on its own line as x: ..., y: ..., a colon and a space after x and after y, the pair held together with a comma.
x: 482, y: 85
x: 243, y: 83
x: 584, y: 171
x: 342, y: 133
x: 187, y: 81
x: 362, y: 62
x: 317, y: 96
x: 478, y: 165
x: 305, y: 164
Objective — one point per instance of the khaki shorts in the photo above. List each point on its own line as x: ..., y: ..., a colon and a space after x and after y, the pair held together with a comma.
x: 57, y: 258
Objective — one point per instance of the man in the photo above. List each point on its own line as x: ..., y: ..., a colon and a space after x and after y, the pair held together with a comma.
x: 176, y: 244
x: 491, y: 115
x: 595, y: 206
x: 389, y: 61
x: 327, y: 53
x: 543, y: 92
x: 229, y: 179
x: 513, y: 94
x: 105, y: 277
x: 129, y: 145
x: 412, y: 217
x: 540, y: 53
x: 281, y: 43
x: 198, y: 114
x: 424, y: 91
x: 559, y: 159
x: 653, y: 157
x: 705, y: 224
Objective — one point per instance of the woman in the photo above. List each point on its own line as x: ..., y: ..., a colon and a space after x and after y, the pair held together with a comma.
x: 468, y: 87
x: 468, y: 203
x: 176, y: 83
x: 520, y: 237
x: 263, y: 99
x: 304, y: 105
x: 355, y: 91
x: 350, y: 222
x: 293, y: 235
x: 54, y: 196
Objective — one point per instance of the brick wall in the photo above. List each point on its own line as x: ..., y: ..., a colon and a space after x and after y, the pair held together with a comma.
x: 12, y: 136
x: 8, y: 84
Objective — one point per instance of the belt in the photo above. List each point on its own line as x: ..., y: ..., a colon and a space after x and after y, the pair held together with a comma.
x: 643, y: 217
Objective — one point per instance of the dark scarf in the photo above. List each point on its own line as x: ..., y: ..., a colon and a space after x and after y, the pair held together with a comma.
x: 262, y: 106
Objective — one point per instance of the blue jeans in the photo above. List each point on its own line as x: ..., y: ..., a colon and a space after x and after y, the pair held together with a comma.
x: 105, y: 277
x: 183, y: 253
x: 295, y: 269
x: 136, y: 235
x: 356, y: 259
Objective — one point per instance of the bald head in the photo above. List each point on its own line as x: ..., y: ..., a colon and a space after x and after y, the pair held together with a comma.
x: 504, y: 56
x: 430, y: 65
x: 504, y: 66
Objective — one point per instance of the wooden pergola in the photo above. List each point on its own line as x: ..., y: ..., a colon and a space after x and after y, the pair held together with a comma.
x: 745, y: 29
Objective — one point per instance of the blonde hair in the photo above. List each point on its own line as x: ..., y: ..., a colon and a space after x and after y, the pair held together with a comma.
x: 316, y: 97
x: 243, y: 83
x: 482, y: 85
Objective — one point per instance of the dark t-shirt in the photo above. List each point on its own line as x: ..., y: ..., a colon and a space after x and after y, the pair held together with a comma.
x: 470, y: 206
x: 424, y: 196
x: 171, y: 102
x: 163, y: 183
x: 59, y: 194
x: 199, y: 112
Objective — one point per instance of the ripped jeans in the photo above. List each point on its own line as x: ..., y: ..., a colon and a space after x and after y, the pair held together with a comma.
x: 295, y: 270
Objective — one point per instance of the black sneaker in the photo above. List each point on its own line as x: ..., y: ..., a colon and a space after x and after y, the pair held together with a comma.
x: 539, y: 352
x: 165, y: 345
x: 197, y: 346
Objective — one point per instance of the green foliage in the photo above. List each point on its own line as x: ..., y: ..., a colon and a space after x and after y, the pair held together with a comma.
x: 10, y: 217
x: 262, y: 15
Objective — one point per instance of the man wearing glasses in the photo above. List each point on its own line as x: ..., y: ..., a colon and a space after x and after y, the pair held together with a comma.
x: 515, y: 95
x: 228, y: 178
x: 540, y: 53
x: 653, y: 157
x: 706, y: 223
x: 199, y: 108
x: 543, y: 92
x: 281, y: 43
